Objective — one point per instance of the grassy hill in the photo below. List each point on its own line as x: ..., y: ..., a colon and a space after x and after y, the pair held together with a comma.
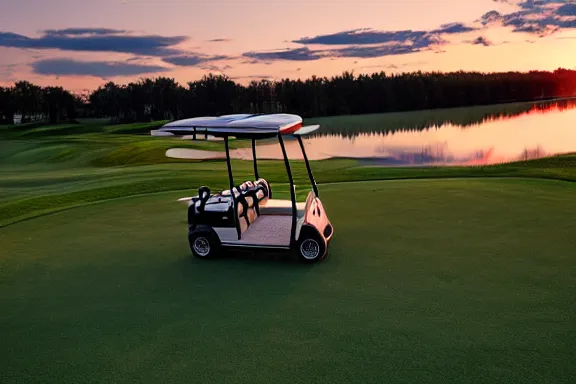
x: 46, y: 169
x: 455, y: 274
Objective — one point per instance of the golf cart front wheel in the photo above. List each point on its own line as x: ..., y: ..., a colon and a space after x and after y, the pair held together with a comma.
x: 204, y: 245
x: 311, y: 248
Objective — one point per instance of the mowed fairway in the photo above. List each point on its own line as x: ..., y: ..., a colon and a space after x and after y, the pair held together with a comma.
x: 427, y: 281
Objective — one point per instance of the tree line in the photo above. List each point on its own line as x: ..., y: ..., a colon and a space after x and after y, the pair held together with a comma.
x: 33, y: 102
x: 163, y: 98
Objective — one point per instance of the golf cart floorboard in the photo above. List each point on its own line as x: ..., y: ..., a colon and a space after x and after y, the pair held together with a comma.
x: 268, y: 231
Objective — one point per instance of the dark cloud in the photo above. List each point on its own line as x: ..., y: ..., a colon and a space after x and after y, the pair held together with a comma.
x: 453, y: 28
x: 184, y: 61
x: 369, y: 36
x: 387, y: 49
x: 107, y: 40
x: 192, y: 59
x: 541, y: 17
x: 537, y: 28
x: 490, y: 17
x: 481, y: 40
x: 369, y: 52
x: 411, y: 42
x: 362, y: 36
x: 219, y: 40
x: 255, y: 61
x: 536, y: 17
x: 98, y: 40
x: 63, y: 67
x: 533, y: 4
x: 84, y: 31
x: 298, y: 54
x: 215, y: 68
x: 217, y: 58
x: 7, y: 70
x: 365, y: 43
x: 568, y: 24
x: 567, y: 10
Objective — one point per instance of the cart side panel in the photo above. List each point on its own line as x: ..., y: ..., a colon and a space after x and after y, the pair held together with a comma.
x: 315, y: 216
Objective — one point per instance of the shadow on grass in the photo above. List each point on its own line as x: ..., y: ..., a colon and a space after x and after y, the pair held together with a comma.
x: 233, y: 256
x: 262, y: 281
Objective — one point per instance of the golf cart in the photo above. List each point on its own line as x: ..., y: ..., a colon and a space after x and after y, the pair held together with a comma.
x: 246, y: 215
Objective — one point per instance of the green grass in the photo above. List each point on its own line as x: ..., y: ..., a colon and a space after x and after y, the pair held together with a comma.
x: 67, y: 176
x: 142, y: 128
x: 55, y: 130
x: 426, y: 281
x: 45, y: 175
x: 455, y: 274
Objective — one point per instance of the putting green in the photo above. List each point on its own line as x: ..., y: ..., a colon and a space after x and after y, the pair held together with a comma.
x: 427, y: 281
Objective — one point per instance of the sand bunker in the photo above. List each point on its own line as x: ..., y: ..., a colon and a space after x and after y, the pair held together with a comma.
x: 198, y: 154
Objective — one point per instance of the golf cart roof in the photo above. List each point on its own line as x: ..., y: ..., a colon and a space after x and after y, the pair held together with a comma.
x: 238, y: 125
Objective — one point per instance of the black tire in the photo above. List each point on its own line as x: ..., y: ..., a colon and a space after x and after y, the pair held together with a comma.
x: 204, y: 244
x: 311, y: 247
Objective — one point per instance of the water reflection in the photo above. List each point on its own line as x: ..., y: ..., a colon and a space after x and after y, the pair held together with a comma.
x: 465, y: 136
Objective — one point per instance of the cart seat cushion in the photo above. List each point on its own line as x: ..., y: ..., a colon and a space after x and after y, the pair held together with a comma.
x: 260, y: 186
x: 281, y: 207
x: 251, y: 214
x: 260, y: 194
x: 240, y: 210
x: 227, y: 192
x: 247, y: 185
x: 263, y: 183
x: 250, y: 201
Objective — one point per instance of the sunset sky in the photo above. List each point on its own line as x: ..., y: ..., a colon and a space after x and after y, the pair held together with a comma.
x: 80, y: 44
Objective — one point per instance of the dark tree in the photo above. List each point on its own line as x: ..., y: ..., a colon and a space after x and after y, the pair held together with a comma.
x: 27, y: 97
x: 346, y: 94
x: 8, y: 105
x: 58, y: 104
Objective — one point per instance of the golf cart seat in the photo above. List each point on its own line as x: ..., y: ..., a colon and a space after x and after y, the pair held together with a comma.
x: 253, y: 200
x: 281, y: 207
x: 265, y: 204
x: 248, y: 195
x: 254, y: 193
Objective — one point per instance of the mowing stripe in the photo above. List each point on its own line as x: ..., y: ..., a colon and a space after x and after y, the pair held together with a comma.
x: 451, y: 177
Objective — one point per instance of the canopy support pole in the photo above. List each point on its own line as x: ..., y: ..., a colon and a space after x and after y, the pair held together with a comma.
x: 254, y: 159
x: 314, y: 186
x: 231, y: 183
x: 292, y: 191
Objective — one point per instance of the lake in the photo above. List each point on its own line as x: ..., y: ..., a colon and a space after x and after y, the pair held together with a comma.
x: 462, y: 136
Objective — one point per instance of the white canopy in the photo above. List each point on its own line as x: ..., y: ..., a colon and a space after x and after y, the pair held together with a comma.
x: 243, y: 124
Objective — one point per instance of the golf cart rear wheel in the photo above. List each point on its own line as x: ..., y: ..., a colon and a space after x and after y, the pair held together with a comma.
x: 311, y: 247
x: 204, y: 244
